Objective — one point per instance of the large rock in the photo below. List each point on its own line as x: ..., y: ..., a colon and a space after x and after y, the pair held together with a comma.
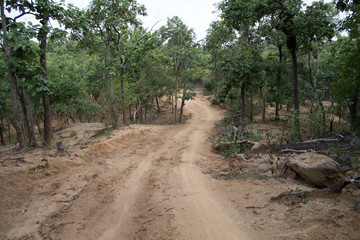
x: 317, y: 169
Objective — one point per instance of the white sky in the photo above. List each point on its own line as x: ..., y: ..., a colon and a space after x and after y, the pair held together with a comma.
x: 196, y: 14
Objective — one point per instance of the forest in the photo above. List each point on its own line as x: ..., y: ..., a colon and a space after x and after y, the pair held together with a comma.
x: 102, y: 65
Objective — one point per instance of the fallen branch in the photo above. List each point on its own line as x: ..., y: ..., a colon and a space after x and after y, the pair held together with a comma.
x: 19, y: 159
x: 220, y: 144
x: 283, y: 168
x: 254, y: 207
x: 337, y: 188
x: 322, y: 140
x: 293, y: 150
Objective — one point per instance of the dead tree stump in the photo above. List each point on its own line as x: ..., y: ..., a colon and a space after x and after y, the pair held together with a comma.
x: 60, y: 148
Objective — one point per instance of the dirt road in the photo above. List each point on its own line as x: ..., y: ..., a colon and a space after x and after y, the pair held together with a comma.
x: 159, y: 182
x: 150, y: 187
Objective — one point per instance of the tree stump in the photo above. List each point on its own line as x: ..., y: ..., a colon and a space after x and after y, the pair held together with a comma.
x: 60, y: 148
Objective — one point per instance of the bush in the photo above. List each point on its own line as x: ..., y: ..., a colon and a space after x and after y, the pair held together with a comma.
x: 209, y: 85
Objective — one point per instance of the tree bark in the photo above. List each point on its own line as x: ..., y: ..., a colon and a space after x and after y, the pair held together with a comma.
x: 141, y: 115
x: 176, y: 99
x: 145, y: 114
x: 243, y: 104
x: 123, y: 97
x: 114, y: 111
x: 130, y: 116
x: 292, y: 45
x: 29, y: 122
x: 157, y: 104
x: 14, y: 118
x: 46, y: 101
x: 108, y: 75
x: 279, y: 80
x: 2, y: 132
x: 263, y: 104
x: 277, y: 117
x: 182, y: 103
x: 176, y: 64
x: 318, y: 98
x: 352, y: 113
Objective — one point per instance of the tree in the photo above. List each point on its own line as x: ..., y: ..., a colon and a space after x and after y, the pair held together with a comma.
x: 347, y: 89
x: 12, y: 78
x: 43, y: 11
x: 178, y: 39
x: 286, y: 16
x: 218, y: 37
x: 113, y: 21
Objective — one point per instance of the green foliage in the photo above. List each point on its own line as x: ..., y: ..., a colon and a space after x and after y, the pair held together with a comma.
x: 73, y: 133
x: 313, y: 124
x: 108, y: 133
x: 352, y: 20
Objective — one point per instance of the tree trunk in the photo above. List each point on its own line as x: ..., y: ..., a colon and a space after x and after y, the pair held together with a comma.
x: 176, y: 64
x: 46, y: 101
x: 141, y: 115
x: 145, y: 115
x: 151, y: 110
x: 123, y: 97
x: 29, y: 122
x: 353, y: 111
x: 277, y: 108
x: 14, y: 118
x: 279, y: 80
x: 182, y: 103
x: 263, y: 104
x: 318, y: 98
x: 251, y: 108
x: 130, y: 114
x: 176, y: 99
x: 38, y: 125
x: 243, y: 104
x: 114, y: 111
x: 2, y: 132
x: 291, y: 45
x: 9, y: 131
x: 157, y: 104
x: 113, y: 105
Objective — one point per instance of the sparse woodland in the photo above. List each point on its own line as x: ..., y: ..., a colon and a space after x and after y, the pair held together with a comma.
x: 269, y: 149
x: 102, y: 65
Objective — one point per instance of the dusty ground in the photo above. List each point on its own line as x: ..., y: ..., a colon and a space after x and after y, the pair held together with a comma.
x: 159, y: 182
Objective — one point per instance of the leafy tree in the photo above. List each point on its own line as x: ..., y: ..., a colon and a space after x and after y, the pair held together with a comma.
x: 43, y: 12
x: 15, y: 120
x: 286, y: 16
x: 112, y: 21
x: 347, y: 89
x: 178, y: 39
x: 217, y: 39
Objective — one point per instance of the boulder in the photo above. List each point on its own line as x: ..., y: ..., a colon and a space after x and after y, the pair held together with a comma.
x: 315, y: 168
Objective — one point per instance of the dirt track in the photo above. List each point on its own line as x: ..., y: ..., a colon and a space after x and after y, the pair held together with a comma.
x: 148, y: 182
x: 165, y: 196
x: 150, y: 187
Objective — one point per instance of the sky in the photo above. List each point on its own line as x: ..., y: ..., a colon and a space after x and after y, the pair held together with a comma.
x: 196, y: 14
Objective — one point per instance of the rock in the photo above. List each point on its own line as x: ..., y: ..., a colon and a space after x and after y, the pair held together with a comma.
x: 290, y: 173
x: 263, y: 167
x: 263, y: 147
x: 240, y: 157
x: 317, y: 169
